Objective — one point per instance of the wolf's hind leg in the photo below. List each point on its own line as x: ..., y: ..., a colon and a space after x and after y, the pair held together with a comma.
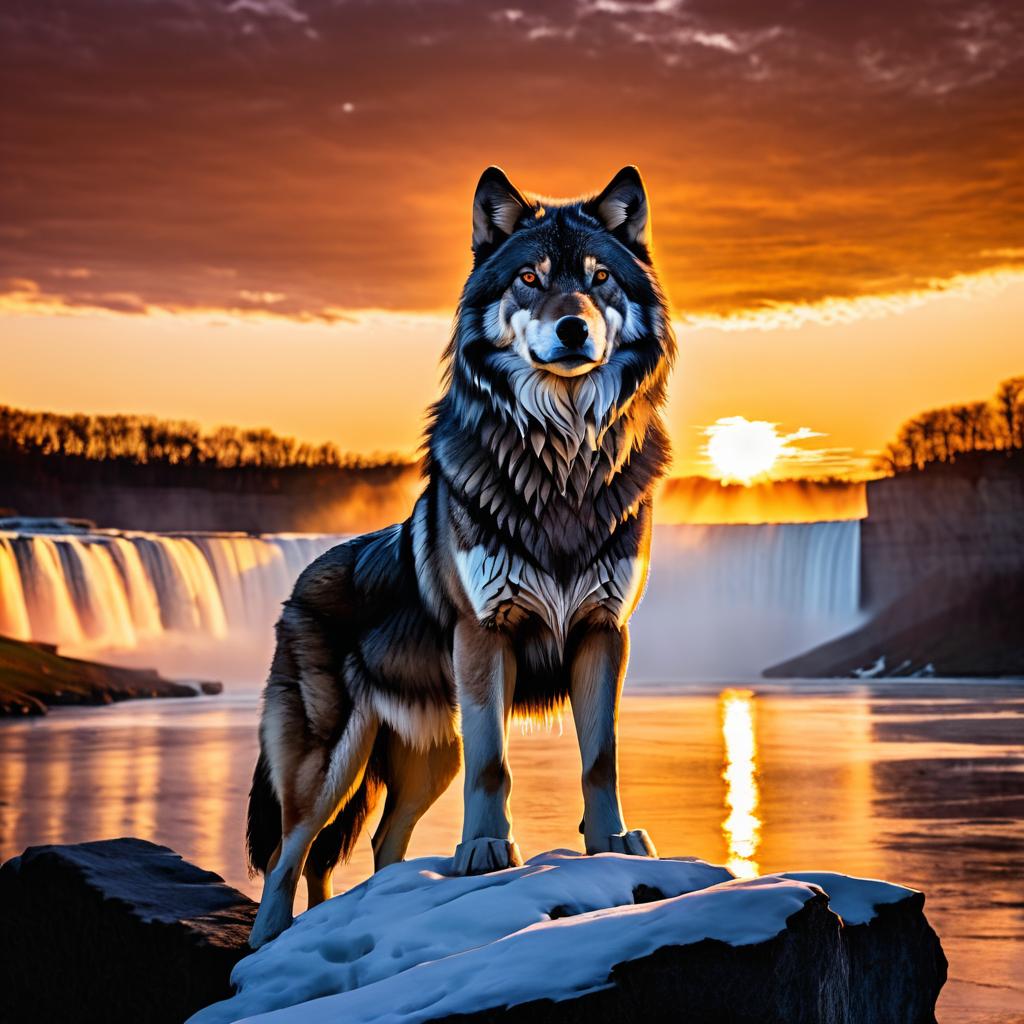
x: 319, y: 785
x: 319, y: 884
x: 335, y: 842
x: 595, y: 686
x: 415, y: 779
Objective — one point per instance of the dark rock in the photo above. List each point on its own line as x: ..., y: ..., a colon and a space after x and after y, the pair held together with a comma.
x: 118, y: 930
x: 896, y: 965
x: 888, y: 970
x: 942, y: 575
x: 647, y: 894
x: 14, y: 703
x: 633, y: 940
x: 211, y: 688
x: 942, y: 627
x: 797, y: 977
x: 124, y: 930
x: 959, y: 521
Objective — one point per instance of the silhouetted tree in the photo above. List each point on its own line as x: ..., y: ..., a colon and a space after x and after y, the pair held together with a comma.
x: 1010, y: 412
x: 941, y: 435
x: 144, y: 449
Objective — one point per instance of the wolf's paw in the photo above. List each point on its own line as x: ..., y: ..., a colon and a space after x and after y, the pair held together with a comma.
x: 273, y: 917
x: 636, y: 842
x: 480, y: 856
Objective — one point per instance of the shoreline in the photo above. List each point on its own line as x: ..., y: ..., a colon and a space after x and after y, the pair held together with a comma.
x: 35, y: 677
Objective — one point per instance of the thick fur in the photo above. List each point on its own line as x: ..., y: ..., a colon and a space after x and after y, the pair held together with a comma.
x: 511, y: 584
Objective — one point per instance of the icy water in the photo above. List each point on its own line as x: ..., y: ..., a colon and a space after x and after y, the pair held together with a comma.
x: 917, y: 782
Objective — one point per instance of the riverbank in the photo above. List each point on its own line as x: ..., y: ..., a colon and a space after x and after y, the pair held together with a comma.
x: 951, y: 629
x: 34, y: 677
x: 941, y: 577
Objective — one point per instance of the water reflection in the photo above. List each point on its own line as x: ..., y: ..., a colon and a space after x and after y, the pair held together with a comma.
x: 742, y: 826
x: 921, y: 783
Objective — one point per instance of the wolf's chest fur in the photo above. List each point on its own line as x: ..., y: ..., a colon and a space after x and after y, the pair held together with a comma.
x: 503, y: 588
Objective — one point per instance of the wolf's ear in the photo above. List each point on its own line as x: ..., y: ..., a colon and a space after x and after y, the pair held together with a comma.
x: 622, y: 208
x: 497, y: 206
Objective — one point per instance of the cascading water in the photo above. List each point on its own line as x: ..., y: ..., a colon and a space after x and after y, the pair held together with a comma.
x: 199, y: 604
x: 726, y: 602
x: 723, y: 601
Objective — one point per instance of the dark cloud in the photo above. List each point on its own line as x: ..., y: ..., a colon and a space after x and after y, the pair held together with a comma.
x: 303, y: 158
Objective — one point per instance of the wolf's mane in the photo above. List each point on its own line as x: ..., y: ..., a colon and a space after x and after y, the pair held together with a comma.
x: 539, y: 434
x: 567, y: 416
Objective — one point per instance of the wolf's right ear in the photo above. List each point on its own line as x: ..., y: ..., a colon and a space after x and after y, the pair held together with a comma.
x: 497, y: 207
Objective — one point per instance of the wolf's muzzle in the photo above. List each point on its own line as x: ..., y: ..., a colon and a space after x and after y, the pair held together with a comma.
x: 563, y: 357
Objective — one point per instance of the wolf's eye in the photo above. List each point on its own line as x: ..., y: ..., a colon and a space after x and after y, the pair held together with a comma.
x: 528, y: 277
x: 601, y: 276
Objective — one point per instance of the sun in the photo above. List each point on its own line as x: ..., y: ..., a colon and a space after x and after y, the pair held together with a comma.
x: 742, y: 449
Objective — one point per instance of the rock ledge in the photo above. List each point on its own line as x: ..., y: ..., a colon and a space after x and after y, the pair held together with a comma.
x: 123, y: 930
x: 117, y: 930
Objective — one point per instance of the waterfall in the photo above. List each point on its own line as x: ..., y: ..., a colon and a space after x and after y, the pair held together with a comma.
x: 725, y: 602
x: 722, y: 600
x: 195, y: 604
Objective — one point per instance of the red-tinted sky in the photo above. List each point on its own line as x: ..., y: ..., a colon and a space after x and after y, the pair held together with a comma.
x: 312, y: 160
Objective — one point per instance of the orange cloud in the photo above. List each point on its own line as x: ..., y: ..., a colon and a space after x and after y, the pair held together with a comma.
x: 298, y: 159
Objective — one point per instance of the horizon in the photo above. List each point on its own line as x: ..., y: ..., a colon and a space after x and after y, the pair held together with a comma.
x: 373, y: 428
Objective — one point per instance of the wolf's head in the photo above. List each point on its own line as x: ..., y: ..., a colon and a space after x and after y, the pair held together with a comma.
x: 564, y: 286
x: 562, y: 325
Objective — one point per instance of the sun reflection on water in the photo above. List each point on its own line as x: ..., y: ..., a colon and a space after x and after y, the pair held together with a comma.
x: 742, y: 826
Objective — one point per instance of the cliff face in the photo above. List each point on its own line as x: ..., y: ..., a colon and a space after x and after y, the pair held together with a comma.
x: 353, y: 507
x: 944, y: 523
x: 942, y: 574
x: 955, y: 630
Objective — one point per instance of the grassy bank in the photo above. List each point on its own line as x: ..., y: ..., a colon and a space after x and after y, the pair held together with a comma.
x: 34, y: 677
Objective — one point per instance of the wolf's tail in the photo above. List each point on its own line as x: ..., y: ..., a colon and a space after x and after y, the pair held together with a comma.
x: 263, y: 822
x: 335, y: 842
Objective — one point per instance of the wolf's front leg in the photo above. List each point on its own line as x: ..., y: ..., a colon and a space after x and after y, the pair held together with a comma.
x: 485, y: 680
x: 595, y: 685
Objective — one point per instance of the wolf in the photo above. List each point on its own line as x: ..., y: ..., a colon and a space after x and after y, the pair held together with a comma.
x: 510, y: 587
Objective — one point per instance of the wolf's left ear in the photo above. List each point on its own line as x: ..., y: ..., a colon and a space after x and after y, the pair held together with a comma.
x: 622, y: 208
x: 497, y: 207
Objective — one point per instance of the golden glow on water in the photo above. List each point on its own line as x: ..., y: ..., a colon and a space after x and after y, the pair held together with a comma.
x: 210, y: 776
x: 741, y: 827
x: 144, y: 782
x: 853, y: 783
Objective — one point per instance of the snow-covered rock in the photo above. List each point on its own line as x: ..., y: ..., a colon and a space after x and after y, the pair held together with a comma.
x: 567, y: 937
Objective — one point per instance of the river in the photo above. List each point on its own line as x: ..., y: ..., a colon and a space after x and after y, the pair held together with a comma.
x: 919, y: 782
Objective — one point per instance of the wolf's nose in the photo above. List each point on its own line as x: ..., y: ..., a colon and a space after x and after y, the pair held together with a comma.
x: 572, y: 331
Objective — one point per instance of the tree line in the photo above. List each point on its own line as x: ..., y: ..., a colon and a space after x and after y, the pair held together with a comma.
x: 38, y: 447
x: 146, y: 440
x: 947, y: 434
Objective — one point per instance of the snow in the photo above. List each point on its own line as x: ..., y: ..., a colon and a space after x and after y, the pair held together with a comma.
x: 875, y: 671
x: 853, y: 899
x: 413, y: 944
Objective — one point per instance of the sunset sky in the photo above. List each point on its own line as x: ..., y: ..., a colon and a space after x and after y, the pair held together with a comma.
x: 257, y: 211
